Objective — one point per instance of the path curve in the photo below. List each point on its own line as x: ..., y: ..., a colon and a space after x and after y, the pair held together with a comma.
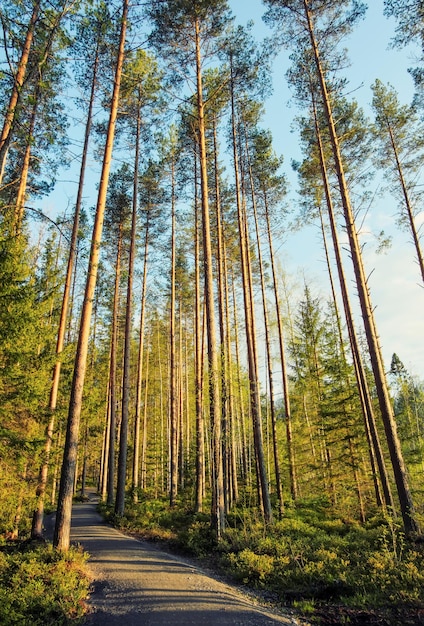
x: 136, y: 584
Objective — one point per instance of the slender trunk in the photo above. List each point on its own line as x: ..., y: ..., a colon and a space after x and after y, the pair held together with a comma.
x: 374, y: 446
x: 283, y: 360
x: 112, y: 374
x: 250, y: 330
x: 399, y: 469
x: 231, y: 409
x: 173, y: 416
x: 218, y: 509
x: 37, y: 523
x: 226, y: 437
x: 242, y: 412
x: 17, y: 86
x: 145, y: 415
x: 278, y: 484
x: 64, y: 509
x: 408, y: 206
x: 123, y: 439
x: 200, y: 422
x: 136, y: 454
x: 22, y: 189
x: 105, y: 450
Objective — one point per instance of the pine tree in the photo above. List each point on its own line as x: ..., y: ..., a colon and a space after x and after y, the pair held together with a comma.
x: 63, y: 518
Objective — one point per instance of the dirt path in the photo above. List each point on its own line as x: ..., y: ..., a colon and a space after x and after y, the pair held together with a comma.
x: 136, y: 584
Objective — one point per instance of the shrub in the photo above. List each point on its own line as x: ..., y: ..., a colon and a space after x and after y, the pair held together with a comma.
x: 250, y: 567
x: 40, y: 586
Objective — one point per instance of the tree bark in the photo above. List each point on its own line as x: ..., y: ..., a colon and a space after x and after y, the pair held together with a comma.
x: 123, y: 439
x: 407, y: 200
x: 17, y: 86
x: 218, y: 509
x: 255, y: 408
x: 37, y: 522
x: 399, y: 469
x: 63, y: 516
x: 371, y: 431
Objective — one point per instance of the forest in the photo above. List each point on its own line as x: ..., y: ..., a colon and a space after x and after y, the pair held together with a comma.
x: 154, y: 347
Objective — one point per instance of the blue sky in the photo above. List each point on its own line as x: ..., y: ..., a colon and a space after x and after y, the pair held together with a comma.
x: 396, y: 292
x: 394, y: 280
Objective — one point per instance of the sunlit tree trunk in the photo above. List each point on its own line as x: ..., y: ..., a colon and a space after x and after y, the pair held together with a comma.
x: 408, y: 207
x: 198, y: 338
x: 402, y: 484
x: 283, y: 360
x: 173, y: 413
x: 272, y: 409
x: 37, y: 522
x: 218, y: 508
x: 123, y: 439
x: 64, y: 509
x: 136, y: 454
x: 263, y: 488
x: 17, y: 86
x: 113, y: 375
x: 375, y: 451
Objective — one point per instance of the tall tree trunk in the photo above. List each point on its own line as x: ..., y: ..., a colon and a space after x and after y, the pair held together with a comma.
x: 283, y: 360
x: 173, y: 413
x: 123, y: 439
x: 231, y: 408
x: 218, y: 508
x: 112, y: 374
x: 198, y: 338
x: 17, y: 86
x: 105, y: 447
x: 399, y: 469
x: 407, y: 200
x: 64, y: 509
x: 255, y: 408
x: 22, y: 189
x: 272, y: 410
x: 226, y: 434
x: 136, y: 455
x: 374, y: 446
x: 37, y: 522
x: 347, y: 420
x: 145, y: 425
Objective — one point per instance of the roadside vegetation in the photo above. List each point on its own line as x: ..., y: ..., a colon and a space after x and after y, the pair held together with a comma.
x: 40, y: 586
x: 156, y: 339
x: 330, y: 570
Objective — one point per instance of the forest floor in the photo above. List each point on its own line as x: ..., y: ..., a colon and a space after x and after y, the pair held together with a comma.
x: 135, y: 583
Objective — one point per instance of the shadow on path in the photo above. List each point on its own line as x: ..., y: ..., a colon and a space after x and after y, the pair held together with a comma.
x: 135, y: 584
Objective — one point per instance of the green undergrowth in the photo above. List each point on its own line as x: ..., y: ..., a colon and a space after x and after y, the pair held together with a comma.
x: 40, y: 586
x: 308, y: 559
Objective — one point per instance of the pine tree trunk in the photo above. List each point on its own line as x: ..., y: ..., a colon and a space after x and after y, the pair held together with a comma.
x: 136, y: 454
x: 371, y: 431
x: 123, y: 439
x: 64, y: 510
x: 218, y: 509
x: 226, y: 434
x: 408, y: 206
x: 173, y: 417
x: 37, y: 522
x: 200, y: 422
x: 283, y: 360
x: 399, y: 469
x: 263, y: 489
x: 17, y: 86
x: 278, y: 484
x: 22, y: 189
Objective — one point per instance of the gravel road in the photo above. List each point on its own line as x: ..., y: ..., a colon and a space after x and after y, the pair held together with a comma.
x: 136, y: 584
